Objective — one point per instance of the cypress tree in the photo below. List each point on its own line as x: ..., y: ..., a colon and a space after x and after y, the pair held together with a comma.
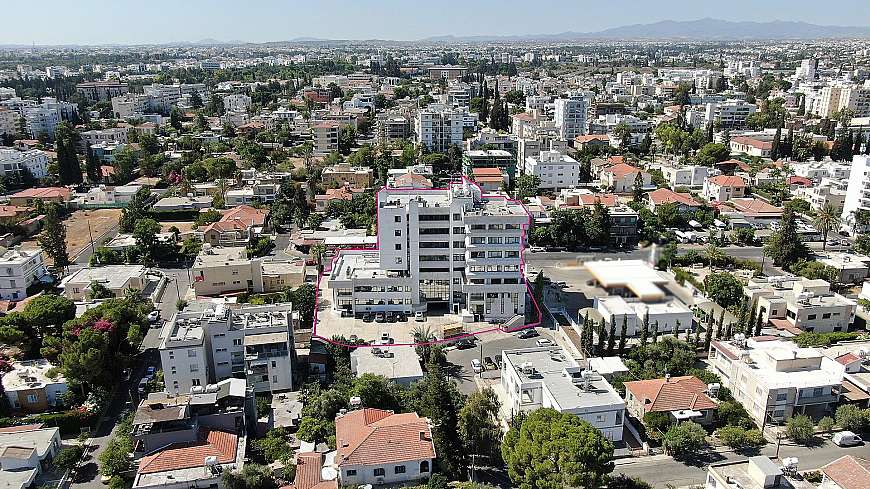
x: 708, y: 335
x: 720, y: 324
x: 655, y: 337
x: 644, y: 331
x: 602, y: 339
x: 758, y: 324
x: 611, y: 338
x: 622, y: 334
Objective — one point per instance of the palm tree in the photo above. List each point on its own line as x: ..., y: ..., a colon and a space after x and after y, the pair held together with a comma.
x: 714, y: 254
x: 317, y: 251
x: 827, y: 218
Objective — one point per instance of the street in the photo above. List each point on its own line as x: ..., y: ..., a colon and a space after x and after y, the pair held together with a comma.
x: 662, y: 470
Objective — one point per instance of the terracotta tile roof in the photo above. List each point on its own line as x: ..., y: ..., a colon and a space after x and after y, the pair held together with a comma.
x: 848, y: 472
x: 672, y: 394
x: 620, y: 170
x: 754, y: 207
x: 308, y: 472
x: 719, y: 346
x: 178, y: 456
x: 728, y: 181
x: 755, y: 143
x: 374, y: 436
x: 412, y: 180
x: 799, y: 180
x: 24, y: 427
x: 523, y: 116
x: 847, y: 358
x: 592, y: 137
x: 607, y: 200
x: 667, y: 196
x: 247, y: 214
x: 43, y: 193
x: 784, y: 325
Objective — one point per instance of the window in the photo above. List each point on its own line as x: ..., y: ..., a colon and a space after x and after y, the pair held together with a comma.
x: 31, y: 398
x: 237, y: 342
x: 477, y: 241
x: 191, y: 353
x: 400, y: 469
x: 424, y: 466
x: 811, y: 317
x: 195, y: 382
x: 350, y: 472
x: 379, y: 472
x: 398, y: 232
x: 818, y: 391
x: 194, y: 368
x: 397, y: 219
x: 781, y: 396
x: 398, y: 246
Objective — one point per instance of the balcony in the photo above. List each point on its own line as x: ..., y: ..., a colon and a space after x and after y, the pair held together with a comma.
x: 810, y: 400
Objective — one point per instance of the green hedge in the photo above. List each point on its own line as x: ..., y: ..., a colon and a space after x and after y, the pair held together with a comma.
x: 69, y: 422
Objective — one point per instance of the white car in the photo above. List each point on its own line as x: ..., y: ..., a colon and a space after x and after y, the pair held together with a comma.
x: 418, y: 316
x: 536, y: 249
x: 544, y: 342
x: 846, y: 439
x: 153, y: 316
x: 476, y: 366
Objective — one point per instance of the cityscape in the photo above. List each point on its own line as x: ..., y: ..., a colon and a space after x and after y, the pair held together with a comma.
x: 615, y: 249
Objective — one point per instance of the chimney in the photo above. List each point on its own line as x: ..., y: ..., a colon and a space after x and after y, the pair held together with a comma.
x: 667, y: 378
x: 424, y: 436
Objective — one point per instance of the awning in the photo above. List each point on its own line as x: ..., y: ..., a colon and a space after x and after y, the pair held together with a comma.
x: 684, y: 414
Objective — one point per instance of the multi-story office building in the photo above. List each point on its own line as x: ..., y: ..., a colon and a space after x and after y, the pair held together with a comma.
x: 205, y: 346
x: 775, y: 379
x: 556, y: 170
x: 857, y: 199
x: 571, y: 113
x: 438, y: 127
x: 535, y: 378
x: 19, y: 269
x: 13, y: 162
x: 452, y: 249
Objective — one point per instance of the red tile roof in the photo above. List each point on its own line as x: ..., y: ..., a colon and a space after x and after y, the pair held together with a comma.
x: 667, y: 196
x: 728, y: 181
x: 20, y: 428
x: 847, y: 358
x: 755, y: 207
x: 374, y: 436
x: 178, y: 456
x: 848, y: 472
x: 799, y: 180
x: 43, y: 193
x: 308, y: 472
x: 592, y: 137
x: 784, y: 325
x: 672, y: 394
x: 247, y: 214
x: 620, y: 170
x: 755, y: 143
x: 412, y: 180
x: 719, y: 346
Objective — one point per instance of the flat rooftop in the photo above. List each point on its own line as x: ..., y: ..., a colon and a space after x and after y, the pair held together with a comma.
x: 31, y: 374
x: 764, y: 356
x: 550, y: 366
x: 359, y: 265
x: 635, y: 275
x: 217, y: 256
x: 112, y: 276
x: 400, y: 363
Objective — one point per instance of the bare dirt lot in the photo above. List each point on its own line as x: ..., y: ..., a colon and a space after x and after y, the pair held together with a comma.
x: 102, y: 222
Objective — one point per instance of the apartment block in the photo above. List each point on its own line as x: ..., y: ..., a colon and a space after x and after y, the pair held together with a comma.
x: 212, y: 342
x: 438, y: 127
x: 490, y: 158
x: 325, y: 136
x: 101, y: 91
x: 392, y: 129
x: 857, y: 194
x: 556, y: 170
x: 775, y: 379
x: 19, y: 269
x: 799, y: 304
x: 452, y: 249
x: 344, y: 174
x: 534, y: 378
x: 13, y: 162
x: 570, y: 114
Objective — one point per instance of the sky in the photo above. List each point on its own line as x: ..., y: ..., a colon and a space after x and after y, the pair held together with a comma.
x: 51, y: 22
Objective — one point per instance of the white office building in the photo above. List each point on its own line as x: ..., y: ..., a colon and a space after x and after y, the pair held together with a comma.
x: 556, y: 170
x: 212, y: 342
x: 439, y: 127
x: 14, y: 162
x: 453, y: 249
x: 19, y: 269
x: 571, y: 113
x: 534, y: 378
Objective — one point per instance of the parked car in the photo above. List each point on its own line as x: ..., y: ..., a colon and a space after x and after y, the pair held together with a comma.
x: 150, y: 371
x: 464, y: 343
x: 476, y: 366
x: 154, y: 316
x: 418, y: 316
x: 846, y: 439
x: 536, y: 249
x: 401, y: 317
x: 526, y: 333
x: 488, y: 363
x: 368, y: 317
x: 391, y: 317
x: 380, y: 317
x: 544, y: 342
x: 497, y: 361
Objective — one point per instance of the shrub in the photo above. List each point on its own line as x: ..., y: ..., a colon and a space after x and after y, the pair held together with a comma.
x: 738, y: 437
x: 685, y: 438
x: 852, y: 418
x: 68, y: 458
x: 800, y: 429
x: 826, y: 423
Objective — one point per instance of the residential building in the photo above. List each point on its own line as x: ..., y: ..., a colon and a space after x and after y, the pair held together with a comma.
x: 758, y: 472
x: 34, y: 386
x: 237, y: 102
x: 686, y: 175
x: 13, y: 163
x: 24, y: 198
x: 392, y: 129
x: 722, y: 188
x: 570, y: 114
x: 453, y: 248
x: 490, y: 158
x: 821, y: 196
x: 799, y: 304
x: 857, y: 199
x: 237, y: 227
x: 446, y: 72
x: 19, y: 269
x: 775, y: 379
x: 112, y: 135
x: 635, y: 292
x: 730, y: 114
x: 343, y: 174
x: 751, y: 146
x: 685, y: 398
x: 851, y: 268
x: 438, y: 127
x: 116, y: 278
x: 400, y: 364
x: 182, y: 204
x: 490, y: 180
x: 663, y: 196
x: 213, y: 342
x: 374, y: 446
x: 325, y: 136
x: 847, y: 472
x: 555, y: 170
x: 199, y: 463
x: 621, y: 178
x: 25, y: 451
x: 41, y: 122
x: 221, y: 270
x: 534, y: 378
x: 101, y: 91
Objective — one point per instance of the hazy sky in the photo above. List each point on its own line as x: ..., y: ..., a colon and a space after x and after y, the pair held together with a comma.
x: 158, y: 21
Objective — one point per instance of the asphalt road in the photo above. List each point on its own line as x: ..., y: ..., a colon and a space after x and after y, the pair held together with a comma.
x: 661, y: 470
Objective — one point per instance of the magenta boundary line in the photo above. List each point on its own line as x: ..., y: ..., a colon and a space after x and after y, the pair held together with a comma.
x: 378, y: 246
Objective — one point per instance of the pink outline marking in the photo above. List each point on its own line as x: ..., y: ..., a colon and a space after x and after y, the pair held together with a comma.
x: 378, y: 246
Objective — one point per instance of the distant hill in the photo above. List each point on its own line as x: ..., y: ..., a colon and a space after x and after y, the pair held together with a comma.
x: 702, y: 29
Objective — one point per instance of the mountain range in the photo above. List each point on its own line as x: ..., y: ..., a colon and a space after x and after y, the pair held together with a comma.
x: 701, y: 29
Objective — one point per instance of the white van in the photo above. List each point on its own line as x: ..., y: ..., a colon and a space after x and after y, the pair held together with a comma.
x: 846, y: 439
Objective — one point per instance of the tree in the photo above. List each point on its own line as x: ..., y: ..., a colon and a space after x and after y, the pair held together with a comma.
x: 623, y: 332
x: 68, y: 458
x: 723, y: 288
x: 479, y: 425
x: 712, y: 153
x: 684, y: 439
x: 439, y: 400
x: 852, y: 418
x: 215, y: 105
x: 92, y: 167
x: 550, y: 449
x: 145, y: 233
x: 826, y: 219
x: 196, y: 100
x: 136, y: 209
x: 785, y: 246
x: 527, y: 186
x: 623, y: 481
x: 637, y: 189
x: 800, y: 429
x: 274, y: 446
x: 125, y: 163
x: 611, y: 339
x: 52, y: 239
x: 69, y: 168
x: 99, y: 291
x: 252, y: 476
x: 657, y: 423
x: 738, y: 437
